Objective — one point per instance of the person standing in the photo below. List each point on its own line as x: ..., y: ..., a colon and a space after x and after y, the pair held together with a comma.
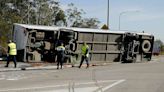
x: 12, y: 52
x: 85, y: 54
x: 60, y: 55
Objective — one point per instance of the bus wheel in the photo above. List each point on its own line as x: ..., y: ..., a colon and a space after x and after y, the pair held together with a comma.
x: 146, y: 45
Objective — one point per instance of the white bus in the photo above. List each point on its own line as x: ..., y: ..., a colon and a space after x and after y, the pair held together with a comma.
x: 37, y: 43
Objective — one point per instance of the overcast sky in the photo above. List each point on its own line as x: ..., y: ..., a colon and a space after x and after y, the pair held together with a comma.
x: 149, y: 18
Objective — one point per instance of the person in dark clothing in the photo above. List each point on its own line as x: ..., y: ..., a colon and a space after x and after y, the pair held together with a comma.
x: 12, y: 52
x: 85, y: 54
x: 60, y: 55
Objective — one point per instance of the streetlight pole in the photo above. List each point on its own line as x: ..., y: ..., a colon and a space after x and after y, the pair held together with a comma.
x: 122, y: 14
x: 108, y: 13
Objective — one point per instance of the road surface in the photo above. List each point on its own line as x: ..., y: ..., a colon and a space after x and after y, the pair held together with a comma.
x: 116, y: 77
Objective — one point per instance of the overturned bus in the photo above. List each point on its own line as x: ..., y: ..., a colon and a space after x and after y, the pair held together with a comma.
x: 38, y: 43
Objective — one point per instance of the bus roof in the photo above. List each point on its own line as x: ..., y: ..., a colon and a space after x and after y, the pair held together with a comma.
x: 37, y: 27
x: 84, y: 30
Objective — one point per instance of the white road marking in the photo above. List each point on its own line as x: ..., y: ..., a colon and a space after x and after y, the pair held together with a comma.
x: 86, y: 89
x: 33, y: 88
x: 112, y: 85
x: 83, y: 89
x: 94, y: 82
x: 1, y: 78
x: 12, y: 79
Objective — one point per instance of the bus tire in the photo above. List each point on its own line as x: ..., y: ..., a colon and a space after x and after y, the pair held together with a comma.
x: 146, y: 45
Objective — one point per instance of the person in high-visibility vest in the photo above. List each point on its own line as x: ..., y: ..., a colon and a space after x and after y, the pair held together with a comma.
x: 60, y: 55
x: 85, y: 54
x: 12, y: 52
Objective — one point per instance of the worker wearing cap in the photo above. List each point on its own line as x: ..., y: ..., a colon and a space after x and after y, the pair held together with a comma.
x: 12, y: 52
x: 85, y: 54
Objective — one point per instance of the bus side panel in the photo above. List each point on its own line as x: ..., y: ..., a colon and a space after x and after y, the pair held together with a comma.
x: 103, y: 47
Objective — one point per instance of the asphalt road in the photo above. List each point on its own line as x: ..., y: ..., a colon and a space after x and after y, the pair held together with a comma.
x: 116, y: 77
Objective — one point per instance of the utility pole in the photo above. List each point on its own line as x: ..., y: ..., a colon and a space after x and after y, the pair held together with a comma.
x: 108, y: 13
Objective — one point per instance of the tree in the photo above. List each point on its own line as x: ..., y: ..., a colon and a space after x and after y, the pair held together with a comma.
x: 43, y: 12
x: 74, y: 18
x: 8, y: 15
x: 73, y: 15
x: 4, y: 33
x: 159, y: 44
x: 104, y: 27
x: 90, y: 23
x: 40, y: 12
x: 60, y: 18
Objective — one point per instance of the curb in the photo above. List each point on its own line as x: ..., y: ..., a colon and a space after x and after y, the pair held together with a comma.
x: 27, y: 68
x: 47, y: 67
x: 33, y: 68
x: 10, y: 69
x: 39, y: 68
